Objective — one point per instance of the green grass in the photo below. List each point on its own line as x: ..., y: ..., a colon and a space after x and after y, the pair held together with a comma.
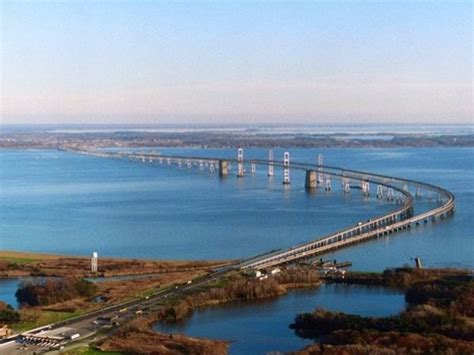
x: 14, y: 260
x: 90, y: 350
x: 218, y: 283
x: 41, y: 318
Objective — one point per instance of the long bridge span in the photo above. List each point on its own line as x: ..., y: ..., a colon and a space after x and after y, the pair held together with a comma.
x: 391, y: 188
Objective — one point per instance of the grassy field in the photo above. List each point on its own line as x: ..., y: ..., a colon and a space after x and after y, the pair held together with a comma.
x: 12, y: 260
x: 24, y: 257
x: 36, y: 318
x: 89, y: 350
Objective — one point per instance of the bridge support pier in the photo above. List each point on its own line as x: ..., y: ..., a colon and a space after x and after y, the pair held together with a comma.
x: 286, y: 168
x: 223, y: 168
x: 311, y: 180
x: 271, y: 171
x: 240, y: 162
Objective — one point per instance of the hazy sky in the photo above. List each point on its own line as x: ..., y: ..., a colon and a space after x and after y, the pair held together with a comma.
x: 236, y: 61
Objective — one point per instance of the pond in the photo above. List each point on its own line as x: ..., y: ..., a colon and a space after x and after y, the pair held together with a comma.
x: 261, y: 327
x: 8, y: 288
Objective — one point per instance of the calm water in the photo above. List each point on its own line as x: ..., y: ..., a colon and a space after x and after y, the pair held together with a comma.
x: 76, y: 204
x: 263, y: 327
x: 59, y: 202
x: 8, y: 288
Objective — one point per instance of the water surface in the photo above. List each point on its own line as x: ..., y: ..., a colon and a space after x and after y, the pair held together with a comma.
x: 8, y: 288
x: 261, y: 327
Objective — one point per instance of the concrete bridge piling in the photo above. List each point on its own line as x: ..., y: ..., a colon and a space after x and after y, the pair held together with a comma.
x: 223, y: 168
x: 311, y: 180
x: 240, y: 162
x: 271, y: 171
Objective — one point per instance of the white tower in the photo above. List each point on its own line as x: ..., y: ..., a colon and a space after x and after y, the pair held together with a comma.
x: 320, y: 179
x: 365, y: 186
x: 418, y: 192
x: 286, y: 168
x: 347, y: 188
x: 270, y: 163
x: 240, y: 162
x: 94, y: 261
x: 380, y: 191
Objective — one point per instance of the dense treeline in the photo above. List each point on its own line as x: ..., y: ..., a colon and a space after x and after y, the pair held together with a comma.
x: 300, y: 275
x: 47, y: 291
x: 236, y: 289
x: 387, y: 343
x: 418, y: 320
x: 454, y: 293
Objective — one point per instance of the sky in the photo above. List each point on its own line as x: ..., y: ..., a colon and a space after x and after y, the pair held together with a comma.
x: 236, y: 62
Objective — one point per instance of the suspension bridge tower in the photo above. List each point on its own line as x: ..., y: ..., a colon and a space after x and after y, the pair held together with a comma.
x: 320, y: 169
x: 286, y: 168
x: 240, y: 162
x: 271, y: 171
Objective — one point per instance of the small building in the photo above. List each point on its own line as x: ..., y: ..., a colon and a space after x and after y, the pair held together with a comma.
x: 275, y: 271
x: 5, y: 331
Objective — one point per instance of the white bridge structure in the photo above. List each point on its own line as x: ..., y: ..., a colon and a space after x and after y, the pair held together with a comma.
x: 389, y: 188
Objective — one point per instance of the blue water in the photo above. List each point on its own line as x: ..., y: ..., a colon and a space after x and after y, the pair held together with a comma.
x: 59, y: 202
x: 75, y: 204
x: 8, y: 288
x: 262, y: 327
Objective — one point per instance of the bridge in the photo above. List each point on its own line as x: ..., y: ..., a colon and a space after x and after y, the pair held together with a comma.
x: 391, y: 188
x: 318, y: 175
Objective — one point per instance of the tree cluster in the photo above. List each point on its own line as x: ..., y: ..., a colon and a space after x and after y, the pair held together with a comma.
x: 47, y: 291
x: 8, y: 314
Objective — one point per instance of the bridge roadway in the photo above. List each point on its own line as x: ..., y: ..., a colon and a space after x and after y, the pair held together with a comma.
x: 399, y: 219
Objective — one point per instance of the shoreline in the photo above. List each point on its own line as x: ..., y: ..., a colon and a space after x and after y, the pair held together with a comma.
x: 17, y: 264
x: 232, y: 139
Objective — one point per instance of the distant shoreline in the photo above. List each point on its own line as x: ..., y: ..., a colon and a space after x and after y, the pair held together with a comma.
x: 230, y: 139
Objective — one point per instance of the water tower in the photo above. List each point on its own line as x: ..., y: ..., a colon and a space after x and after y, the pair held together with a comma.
x: 94, y: 261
